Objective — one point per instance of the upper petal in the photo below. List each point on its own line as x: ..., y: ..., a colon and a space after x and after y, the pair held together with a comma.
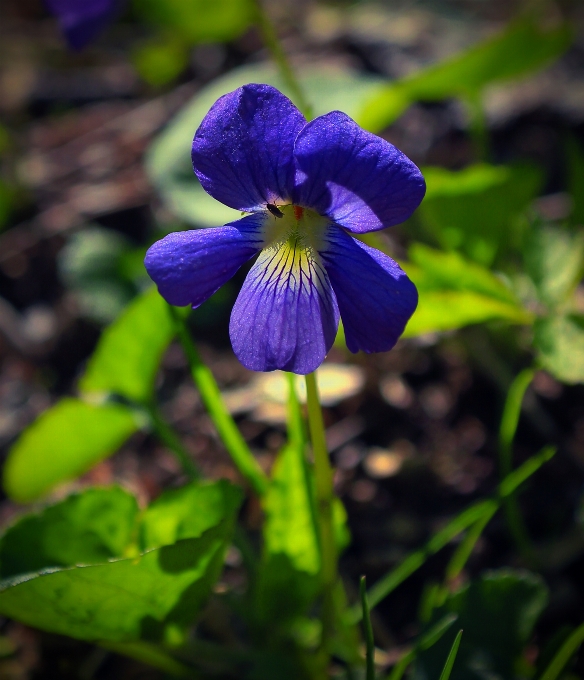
x: 81, y: 22
x: 286, y: 316
x: 189, y: 266
x: 358, y: 179
x: 375, y: 297
x: 242, y: 151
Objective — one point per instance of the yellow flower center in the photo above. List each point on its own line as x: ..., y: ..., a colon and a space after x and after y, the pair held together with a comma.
x: 293, y: 237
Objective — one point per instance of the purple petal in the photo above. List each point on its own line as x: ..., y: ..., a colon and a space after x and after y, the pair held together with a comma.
x: 242, y: 151
x: 286, y: 316
x: 358, y: 179
x: 375, y: 297
x: 189, y: 266
x: 82, y: 20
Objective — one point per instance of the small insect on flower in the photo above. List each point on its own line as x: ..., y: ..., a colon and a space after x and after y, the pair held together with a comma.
x: 307, y: 186
x: 276, y: 212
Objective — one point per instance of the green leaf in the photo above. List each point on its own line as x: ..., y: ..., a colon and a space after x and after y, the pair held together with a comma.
x: 161, y: 60
x: 523, y: 47
x: 85, y: 528
x: 554, y: 259
x: 188, y: 512
x: 559, y: 341
x: 288, y: 579
x: 290, y: 527
x: 169, y: 162
x: 89, y: 265
x: 454, y: 292
x: 198, y: 20
x: 497, y: 613
x: 63, y: 443
x: 474, y: 210
x: 124, y: 600
x: 437, y: 270
x: 129, y: 351
x: 447, y: 310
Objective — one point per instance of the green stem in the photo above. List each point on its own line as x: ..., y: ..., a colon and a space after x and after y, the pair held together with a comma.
x: 478, y: 126
x: 324, y: 498
x: 368, y: 629
x: 271, y: 41
x: 507, y: 430
x: 226, y: 427
x: 169, y: 437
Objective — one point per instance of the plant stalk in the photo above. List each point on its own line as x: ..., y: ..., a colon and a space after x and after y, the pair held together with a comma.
x: 324, y: 499
x: 271, y: 41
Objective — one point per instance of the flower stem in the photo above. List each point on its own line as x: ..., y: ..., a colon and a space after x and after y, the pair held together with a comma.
x: 226, y: 427
x: 271, y: 41
x: 324, y: 498
x: 169, y: 437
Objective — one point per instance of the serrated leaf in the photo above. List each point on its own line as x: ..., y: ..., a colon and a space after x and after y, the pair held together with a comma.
x: 521, y: 48
x: 473, y: 210
x: 123, y: 600
x: 86, y: 528
x: 554, y: 259
x: 188, y: 512
x: 497, y: 613
x: 63, y: 443
x: 127, y: 357
x: 559, y: 341
x: 169, y: 162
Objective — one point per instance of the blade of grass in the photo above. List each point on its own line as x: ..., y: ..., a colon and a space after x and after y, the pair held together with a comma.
x: 465, y: 548
x: 415, y: 560
x: 451, y: 657
x: 507, y: 430
x: 370, y: 653
x: 564, y: 654
x: 426, y: 641
x: 468, y: 517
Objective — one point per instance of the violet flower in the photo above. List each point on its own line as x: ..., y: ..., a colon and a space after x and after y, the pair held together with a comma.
x: 81, y: 21
x: 307, y: 186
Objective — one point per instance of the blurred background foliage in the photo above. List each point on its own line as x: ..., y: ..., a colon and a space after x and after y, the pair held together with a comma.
x: 431, y: 442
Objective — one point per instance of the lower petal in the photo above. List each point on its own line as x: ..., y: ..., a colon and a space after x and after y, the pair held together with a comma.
x: 375, y: 297
x: 189, y: 266
x: 286, y: 315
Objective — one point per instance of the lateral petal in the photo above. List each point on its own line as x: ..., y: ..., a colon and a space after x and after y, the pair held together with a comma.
x: 189, y: 266
x: 375, y: 297
x: 242, y: 151
x: 286, y: 315
x: 354, y: 177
